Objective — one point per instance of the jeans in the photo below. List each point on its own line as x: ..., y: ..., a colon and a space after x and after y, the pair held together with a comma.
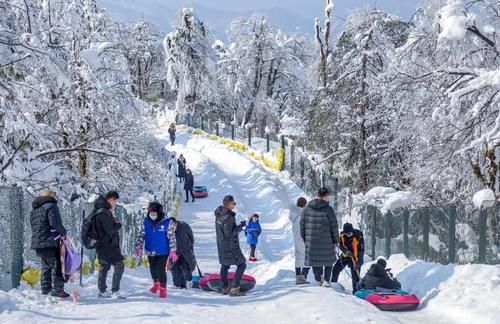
x: 157, y: 267
x: 187, y: 194
x: 103, y: 275
x: 237, y: 276
x: 340, y: 265
x: 52, y: 279
x: 252, y: 250
x: 302, y: 271
x: 181, y: 272
x: 325, y: 272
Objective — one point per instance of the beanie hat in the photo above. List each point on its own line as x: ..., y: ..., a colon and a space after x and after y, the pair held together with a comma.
x: 382, y: 262
x: 348, y: 228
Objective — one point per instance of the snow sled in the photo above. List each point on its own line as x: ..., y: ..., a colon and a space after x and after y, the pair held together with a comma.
x: 215, y: 283
x: 203, y: 283
x: 396, y: 300
x: 200, y: 191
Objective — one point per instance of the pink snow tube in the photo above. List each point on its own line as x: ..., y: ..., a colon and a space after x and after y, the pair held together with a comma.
x: 393, y: 301
x: 203, y: 282
x: 215, y: 283
x: 200, y: 194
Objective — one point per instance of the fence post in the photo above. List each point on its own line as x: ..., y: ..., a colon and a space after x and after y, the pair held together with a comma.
x: 425, y: 234
x: 232, y: 131
x: 268, y: 142
x: 452, y: 216
x: 217, y: 128
x: 335, y: 193
x: 406, y: 226
x: 292, y: 159
x: 283, y: 143
x: 189, y: 119
x: 373, y: 212
x: 388, y: 234
x: 202, y: 124
x: 483, y: 218
x: 249, y: 136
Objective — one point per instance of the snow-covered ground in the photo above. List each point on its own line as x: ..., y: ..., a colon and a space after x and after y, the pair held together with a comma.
x: 450, y: 294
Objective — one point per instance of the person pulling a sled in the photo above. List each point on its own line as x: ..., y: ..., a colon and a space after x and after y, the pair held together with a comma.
x: 46, y: 230
x: 379, y: 277
x: 252, y: 232
x: 172, y: 132
x: 228, y: 246
x: 189, y: 185
x: 181, y: 240
x: 181, y: 168
x: 352, y: 245
x: 156, y: 244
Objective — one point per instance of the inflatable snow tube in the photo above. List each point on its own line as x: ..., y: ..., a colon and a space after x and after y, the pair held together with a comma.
x: 363, y: 293
x: 196, y: 280
x: 200, y: 188
x: 202, y: 284
x: 215, y: 283
x: 393, y: 301
x: 200, y: 194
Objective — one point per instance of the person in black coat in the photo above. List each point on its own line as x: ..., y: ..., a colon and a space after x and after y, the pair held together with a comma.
x: 46, y: 229
x: 181, y: 167
x: 171, y: 132
x: 108, y: 244
x: 352, y: 245
x: 228, y: 245
x: 379, y: 277
x: 189, y: 185
x: 183, y: 247
x: 319, y: 230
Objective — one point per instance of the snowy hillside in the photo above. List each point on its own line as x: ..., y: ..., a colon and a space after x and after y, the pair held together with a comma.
x: 447, y: 292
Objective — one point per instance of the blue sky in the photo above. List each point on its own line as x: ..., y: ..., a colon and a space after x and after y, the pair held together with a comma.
x: 287, y: 14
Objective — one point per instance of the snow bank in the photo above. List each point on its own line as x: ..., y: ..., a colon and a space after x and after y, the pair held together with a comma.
x: 7, y: 302
x: 453, y: 21
x: 482, y: 197
x: 460, y: 293
x: 395, y: 200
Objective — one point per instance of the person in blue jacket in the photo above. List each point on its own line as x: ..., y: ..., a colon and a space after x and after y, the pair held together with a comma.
x: 156, y: 245
x: 252, y: 233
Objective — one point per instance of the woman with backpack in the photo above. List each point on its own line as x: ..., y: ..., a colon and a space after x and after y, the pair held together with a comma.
x: 156, y: 245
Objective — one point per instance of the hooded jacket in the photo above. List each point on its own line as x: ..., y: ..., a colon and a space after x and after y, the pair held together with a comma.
x: 108, y: 239
x: 252, y: 231
x: 377, y: 277
x: 319, y: 230
x: 46, y: 223
x: 228, y: 243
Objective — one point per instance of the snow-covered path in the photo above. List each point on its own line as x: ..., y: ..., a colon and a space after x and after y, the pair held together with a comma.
x: 275, y: 300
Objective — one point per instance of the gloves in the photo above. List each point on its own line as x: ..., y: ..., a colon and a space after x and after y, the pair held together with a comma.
x: 137, y: 250
x: 243, y: 224
x: 173, y: 256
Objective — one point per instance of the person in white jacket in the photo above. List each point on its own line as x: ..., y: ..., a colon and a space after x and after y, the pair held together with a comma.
x: 301, y: 271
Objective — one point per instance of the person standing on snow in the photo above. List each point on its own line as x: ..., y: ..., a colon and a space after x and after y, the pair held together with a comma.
x: 252, y: 232
x: 228, y: 245
x: 181, y: 168
x: 46, y: 229
x: 301, y: 271
x: 189, y: 185
x: 319, y: 230
x: 155, y: 237
x: 352, y: 245
x: 181, y: 241
x: 108, y: 244
x: 172, y: 132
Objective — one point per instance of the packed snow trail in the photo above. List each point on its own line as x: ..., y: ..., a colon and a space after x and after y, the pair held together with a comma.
x: 274, y: 300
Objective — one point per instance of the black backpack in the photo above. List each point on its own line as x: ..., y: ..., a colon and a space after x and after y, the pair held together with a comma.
x: 89, y: 230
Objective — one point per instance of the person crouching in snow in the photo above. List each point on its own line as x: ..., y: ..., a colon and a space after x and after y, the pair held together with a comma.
x: 379, y: 277
x: 156, y: 244
x: 252, y: 233
x: 181, y: 241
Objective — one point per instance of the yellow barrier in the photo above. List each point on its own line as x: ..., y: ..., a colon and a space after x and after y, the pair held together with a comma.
x: 145, y: 261
x: 130, y: 262
x: 31, y: 276
x: 86, y: 268
x: 97, y: 265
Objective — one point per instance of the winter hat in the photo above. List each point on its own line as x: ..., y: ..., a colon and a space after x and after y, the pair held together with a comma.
x: 301, y: 202
x: 348, y: 228
x: 381, y: 262
x: 155, y: 206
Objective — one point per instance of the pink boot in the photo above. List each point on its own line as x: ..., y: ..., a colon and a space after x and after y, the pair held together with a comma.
x: 163, y: 292
x: 156, y: 286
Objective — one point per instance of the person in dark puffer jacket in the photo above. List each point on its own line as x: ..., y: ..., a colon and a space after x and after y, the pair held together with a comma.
x: 46, y: 228
x: 378, y: 277
x: 319, y: 230
x: 155, y: 237
x: 108, y: 244
x: 181, y: 241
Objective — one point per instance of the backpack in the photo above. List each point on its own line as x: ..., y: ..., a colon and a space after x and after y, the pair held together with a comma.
x: 89, y: 230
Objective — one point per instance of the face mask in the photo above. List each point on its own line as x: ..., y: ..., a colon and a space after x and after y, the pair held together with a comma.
x: 348, y: 234
x: 153, y: 217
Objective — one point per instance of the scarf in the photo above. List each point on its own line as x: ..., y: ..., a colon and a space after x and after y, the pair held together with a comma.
x: 172, y: 227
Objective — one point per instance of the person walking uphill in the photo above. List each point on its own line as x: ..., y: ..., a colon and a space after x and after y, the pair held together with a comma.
x: 108, y: 244
x: 189, y: 185
x: 319, y: 230
x: 301, y: 271
x: 172, y: 132
x: 46, y: 229
x: 181, y: 168
x: 155, y: 236
x: 228, y: 245
x: 252, y: 232
x: 352, y: 245
x: 181, y: 241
